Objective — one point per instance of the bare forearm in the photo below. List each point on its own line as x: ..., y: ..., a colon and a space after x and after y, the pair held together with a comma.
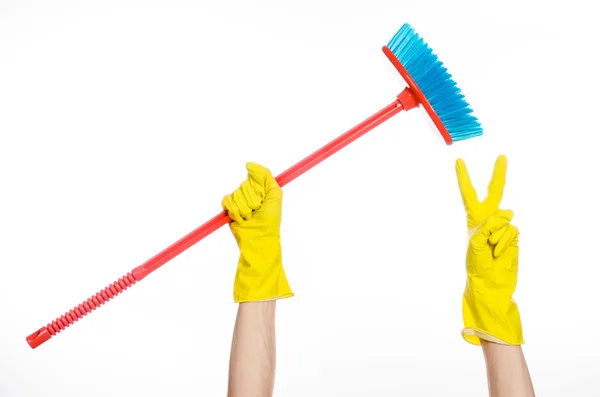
x: 252, y: 361
x: 508, y: 375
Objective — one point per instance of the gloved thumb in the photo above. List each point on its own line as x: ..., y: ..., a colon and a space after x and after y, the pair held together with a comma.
x: 261, y: 178
x: 264, y: 183
x: 493, y: 224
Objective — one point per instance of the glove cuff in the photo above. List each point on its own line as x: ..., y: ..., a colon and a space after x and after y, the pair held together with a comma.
x: 260, y: 275
x: 274, y: 287
x: 497, y: 320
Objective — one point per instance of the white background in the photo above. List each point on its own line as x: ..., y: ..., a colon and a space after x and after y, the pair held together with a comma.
x: 123, y: 123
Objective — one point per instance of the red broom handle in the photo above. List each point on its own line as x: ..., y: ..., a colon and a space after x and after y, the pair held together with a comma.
x: 43, y: 334
x: 283, y: 179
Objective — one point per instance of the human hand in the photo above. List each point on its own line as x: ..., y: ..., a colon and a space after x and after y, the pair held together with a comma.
x: 255, y: 210
x: 489, y: 311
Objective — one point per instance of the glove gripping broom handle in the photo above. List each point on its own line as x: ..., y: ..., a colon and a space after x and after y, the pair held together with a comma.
x: 406, y: 100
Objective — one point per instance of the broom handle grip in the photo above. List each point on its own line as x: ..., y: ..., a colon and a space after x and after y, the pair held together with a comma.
x: 45, y: 333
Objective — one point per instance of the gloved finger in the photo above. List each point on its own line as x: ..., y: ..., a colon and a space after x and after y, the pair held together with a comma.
x: 241, y: 202
x: 510, y: 237
x: 252, y: 194
x: 229, y: 205
x: 498, y: 181
x: 490, y: 226
x: 239, y: 197
x: 467, y: 191
x: 262, y: 177
x: 497, y: 235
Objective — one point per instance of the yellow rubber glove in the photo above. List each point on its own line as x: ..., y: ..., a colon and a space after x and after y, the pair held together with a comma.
x: 489, y: 311
x: 255, y: 211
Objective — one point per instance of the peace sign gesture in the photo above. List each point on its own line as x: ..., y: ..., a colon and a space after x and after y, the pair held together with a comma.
x: 479, y: 211
x: 489, y: 311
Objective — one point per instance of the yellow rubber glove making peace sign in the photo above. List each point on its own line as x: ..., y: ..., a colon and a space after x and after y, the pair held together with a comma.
x: 489, y: 311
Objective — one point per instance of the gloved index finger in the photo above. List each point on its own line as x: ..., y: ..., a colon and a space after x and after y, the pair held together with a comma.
x: 467, y: 191
x: 498, y: 181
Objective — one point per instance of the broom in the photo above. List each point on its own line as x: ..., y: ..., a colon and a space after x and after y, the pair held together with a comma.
x: 429, y: 85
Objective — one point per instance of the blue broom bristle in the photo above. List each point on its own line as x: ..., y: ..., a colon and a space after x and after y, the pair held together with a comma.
x: 436, y: 83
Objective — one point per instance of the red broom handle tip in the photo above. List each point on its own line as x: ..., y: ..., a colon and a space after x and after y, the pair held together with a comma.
x: 38, y: 337
x: 43, y: 334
